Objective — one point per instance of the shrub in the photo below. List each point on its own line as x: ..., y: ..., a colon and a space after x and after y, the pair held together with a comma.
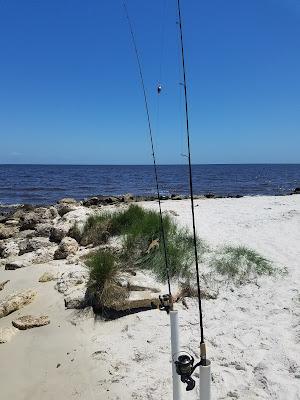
x: 104, y: 291
x: 96, y: 229
x: 241, y: 264
x: 142, y: 242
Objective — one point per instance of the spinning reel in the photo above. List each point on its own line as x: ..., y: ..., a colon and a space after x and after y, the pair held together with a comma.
x: 165, y: 303
x: 185, y: 368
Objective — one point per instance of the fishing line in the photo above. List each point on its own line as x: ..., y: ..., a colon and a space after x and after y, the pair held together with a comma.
x: 191, y: 179
x: 152, y: 145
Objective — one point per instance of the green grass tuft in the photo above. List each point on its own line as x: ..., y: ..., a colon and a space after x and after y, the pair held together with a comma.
x: 103, y: 287
x: 96, y: 229
x: 140, y: 229
x: 241, y: 264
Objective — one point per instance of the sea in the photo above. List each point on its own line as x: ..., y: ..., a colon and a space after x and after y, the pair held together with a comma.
x: 46, y: 184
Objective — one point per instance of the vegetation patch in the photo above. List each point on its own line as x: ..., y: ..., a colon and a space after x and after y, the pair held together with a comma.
x: 104, y: 291
x: 241, y: 264
x: 142, y: 244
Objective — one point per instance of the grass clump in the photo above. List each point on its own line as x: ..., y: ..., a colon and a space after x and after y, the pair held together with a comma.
x: 104, y: 291
x: 241, y: 264
x: 96, y: 230
x: 142, y: 245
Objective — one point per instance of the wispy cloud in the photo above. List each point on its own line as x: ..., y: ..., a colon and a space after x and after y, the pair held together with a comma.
x: 15, y: 154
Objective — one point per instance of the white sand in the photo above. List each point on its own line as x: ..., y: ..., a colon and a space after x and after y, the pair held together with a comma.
x: 252, y: 333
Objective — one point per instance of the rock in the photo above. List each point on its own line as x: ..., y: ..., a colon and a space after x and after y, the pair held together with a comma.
x: 93, y: 201
x: 12, y: 222
x: 9, y: 249
x: 42, y: 256
x: 59, y: 232
x: 67, y: 200
x: 29, y: 245
x: 53, y: 212
x: 43, y: 229
x: 29, y: 321
x: 65, y: 206
x: 68, y: 280
x: 7, y: 231
x: 16, y: 301
x: 128, y: 197
x: 7, y: 333
x: 176, y: 197
x: 296, y: 190
x: 29, y: 221
x: 209, y: 196
x: 28, y: 233
x: 2, y: 284
x: 47, y: 277
x: 12, y: 265
x: 76, y: 299
x: 68, y: 246
x: 101, y: 200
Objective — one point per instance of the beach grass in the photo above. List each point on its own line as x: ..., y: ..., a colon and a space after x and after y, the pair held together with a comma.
x: 142, y: 244
x: 103, y: 287
x: 241, y: 264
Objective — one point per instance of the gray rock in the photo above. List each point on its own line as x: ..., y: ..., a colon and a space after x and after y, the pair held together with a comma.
x: 33, y: 244
x: 17, y: 264
x: 67, y: 247
x: 76, y: 299
x: 29, y: 321
x: 68, y: 280
x: 12, y: 222
x: 7, y: 231
x: 29, y: 221
x: 67, y: 200
x: 43, y: 229
x: 16, y: 301
x: 9, y: 249
x: 58, y: 232
x: 42, y: 256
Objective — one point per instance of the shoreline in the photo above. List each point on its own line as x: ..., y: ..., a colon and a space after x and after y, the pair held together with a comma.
x: 95, y: 200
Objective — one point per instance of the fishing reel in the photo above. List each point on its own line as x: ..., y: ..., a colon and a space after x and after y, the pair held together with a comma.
x: 185, y: 368
x: 165, y: 303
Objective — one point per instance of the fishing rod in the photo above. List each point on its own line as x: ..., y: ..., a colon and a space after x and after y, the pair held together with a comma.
x: 185, y: 363
x: 166, y: 301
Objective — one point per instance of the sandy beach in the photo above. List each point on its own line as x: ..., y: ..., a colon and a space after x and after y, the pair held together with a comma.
x: 252, y: 331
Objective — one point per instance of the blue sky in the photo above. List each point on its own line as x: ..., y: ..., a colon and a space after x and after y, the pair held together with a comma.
x: 70, y: 93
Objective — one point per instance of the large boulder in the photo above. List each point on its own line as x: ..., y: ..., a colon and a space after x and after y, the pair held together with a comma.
x: 29, y: 321
x: 67, y: 247
x: 16, y: 301
x: 7, y: 231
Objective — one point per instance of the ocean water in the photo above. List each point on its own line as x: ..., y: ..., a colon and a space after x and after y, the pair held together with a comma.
x: 45, y: 184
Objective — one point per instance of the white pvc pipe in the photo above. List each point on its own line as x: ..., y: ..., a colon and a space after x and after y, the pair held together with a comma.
x: 205, y: 381
x: 175, y: 350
